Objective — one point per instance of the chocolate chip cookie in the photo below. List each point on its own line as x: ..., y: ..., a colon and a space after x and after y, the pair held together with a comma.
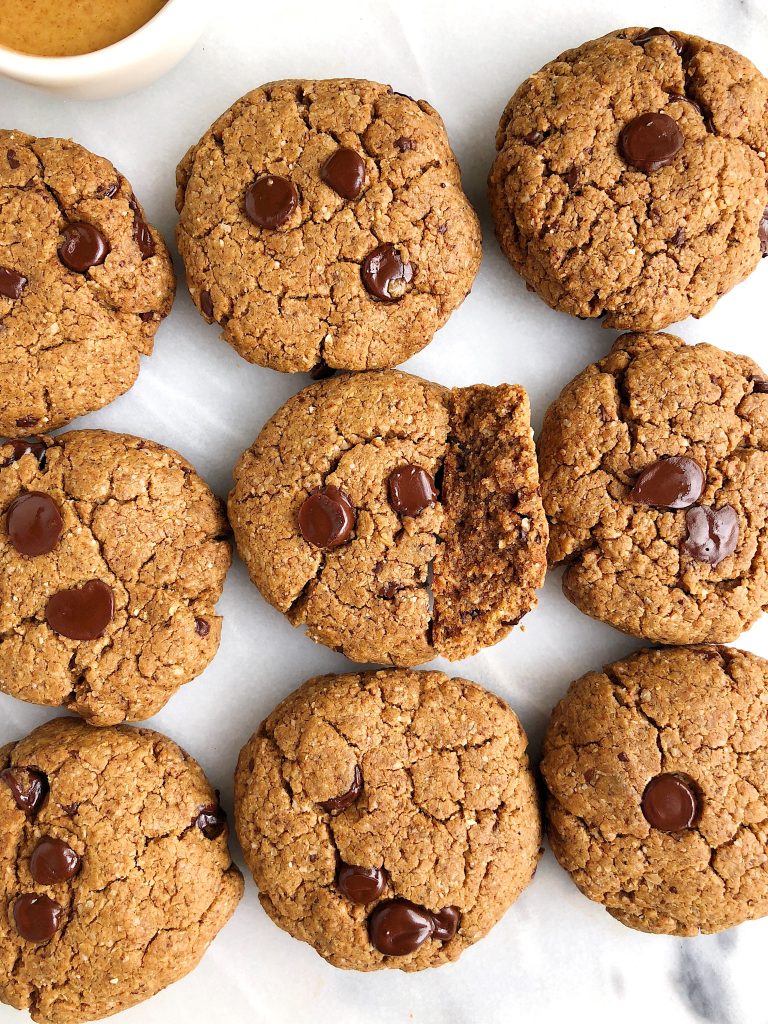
x: 630, y: 179
x: 657, y: 771
x: 116, y: 874
x: 113, y: 553
x: 394, y: 518
x: 653, y: 465
x: 84, y: 283
x: 389, y: 818
x: 323, y: 225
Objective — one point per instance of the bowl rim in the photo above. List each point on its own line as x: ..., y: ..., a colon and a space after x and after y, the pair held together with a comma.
x: 114, y: 57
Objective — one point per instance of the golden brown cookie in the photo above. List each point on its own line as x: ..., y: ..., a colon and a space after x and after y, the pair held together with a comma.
x: 653, y: 467
x: 113, y: 553
x: 323, y: 225
x: 630, y: 178
x: 657, y: 771
x: 115, y: 874
x: 389, y: 818
x: 84, y: 283
x: 394, y: 518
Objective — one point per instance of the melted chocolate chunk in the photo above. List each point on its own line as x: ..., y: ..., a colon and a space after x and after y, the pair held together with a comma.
x: 14, y: 448
x: 713, y: 534
x: 27, y: 421
x: 676, y: 482
x: 12, y: 283
x: 82, y: 613
x: 83, y: 246
x: 405, y: 145
x: 399, y: 927
x: 28, y: 786
x: 384, y: 274
x: 759, y: 386
x: 202, y: 627
x: 12, y: 159
x: 142, y: 236
x: 206, y: 304
x: 345, y: 800
x: 411, y: 490
x: 650, y: 141
x: 326, y: 518
x: 53, y: 861
x: 670, y: 803
x: 34, y: 524
x: 37, y: 917
x: 361, y: 885
x: 270, y: 201
x: 344, y: 172
x: 447, y: 923
x: 533, y: 138
x: 211, y: 821
x: 652, y: 33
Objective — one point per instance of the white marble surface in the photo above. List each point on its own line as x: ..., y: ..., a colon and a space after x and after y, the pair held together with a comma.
x: 555, y: 955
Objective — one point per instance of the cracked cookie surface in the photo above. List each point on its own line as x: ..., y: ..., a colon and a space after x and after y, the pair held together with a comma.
x: 292, y: 296
x: 628, y: 562
x: 399, y: 588
x: 151, y: 890
x: 445, y: 809
x: 701, y: 715
x: 71, y: 338
x: 137, y: 519
x: 594, y: 235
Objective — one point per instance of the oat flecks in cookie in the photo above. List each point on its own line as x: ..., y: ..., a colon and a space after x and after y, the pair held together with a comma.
x: 117, y: 612
x: 361, y: 249
x: 480, y: 548
x: 446, y: 822
x: 80, y: 297
x: 140, y: 891
x: 690, y: 574
x: 691, y: 859
x: 630, y: 178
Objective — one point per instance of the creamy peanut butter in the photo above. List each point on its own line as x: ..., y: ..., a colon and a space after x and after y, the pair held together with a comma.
x: 64, y: 28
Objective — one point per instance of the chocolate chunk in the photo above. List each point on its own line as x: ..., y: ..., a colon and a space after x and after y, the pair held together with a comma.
x: 345, y: 800
x: 12, y: 283
x: 326, y: 517
x: 34, y: 524
x: 759, y: 385
x: 651, y: 33
x: 206, y: 304
x: 361, y: 885
x: 675, y: 96
x: 533, y: 138
x: 27, y: 421
x: 399, y: 927
x: 405, y: 145
x: 82, y: 613
x: 18, y: 447
x: 650, y: 141
x: 37, y: 917
x: 211, y: 821
x: 676, y: 482
x: 83, y: 246
x: 270, y: 201
x: 28, y: 786
x: 322, y: 371
x: 344, y: 172
x: 713, y: 534
x: 12, y: 159
x: 108, y: 191
x: 388, y: 590
x: 670, y: 803
x: 762, y: 233
x: 202, y: 627
x: 571, y: 177
x: 384, y: 274
x: 142, y: 236
x: 678, y: 238
x: 447, y: 923
x: 411, y: 490
x: 53, y: 861
x: 147, y: 317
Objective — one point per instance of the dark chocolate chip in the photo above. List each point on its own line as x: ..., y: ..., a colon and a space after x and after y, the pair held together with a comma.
x: 533, y: 138
x: 108, y: 191
x: 37, y: 917
x: 13, y: 162
x: 571, y: 177
x: 344, y: 172
x: 399, y: 927
x: 83, y: 246
x: 650, y: 141
x: 12, y: 283
x: 384, y: 274
x: 678, y: 238
x: 82, y: 613
x: 34, y: 524
x: 147, y: 317
x: 405, y: 145
x: 202, y: 627
x: 651, y: 33
x: 759, y: 385
x: 19, y: 447
x: 326, y: 518
x: 670, y: 803
x: 676, y: 482
x: 28, y: 786
x: 345, y: 800
x: 211, y: 821
x: 53, y: 861
x: 361, y: 885
x: 322, y: 371
x: 206, y: 304
x: 762, y: 233
x: 713, y: 534
x: 270, y: 201
x: 447, y: 923
x: 27, y: 421
x: 411, y: 490
x: 142, y: 236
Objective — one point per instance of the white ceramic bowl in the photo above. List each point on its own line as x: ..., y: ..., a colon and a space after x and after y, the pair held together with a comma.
x: 129, y: 64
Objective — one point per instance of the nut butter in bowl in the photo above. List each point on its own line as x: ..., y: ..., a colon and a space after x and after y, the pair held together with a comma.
x: 96, y: 48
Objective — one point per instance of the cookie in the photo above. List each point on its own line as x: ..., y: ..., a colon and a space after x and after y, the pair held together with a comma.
x: 657, y: 772
x: 115, y: 874
x: 113, y: 553
x: 395, y: 519
x: 653, y: 464
x: 84, y: 283
x: 630, y: 177
x: 323, y: 225
x: 389, y: 818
